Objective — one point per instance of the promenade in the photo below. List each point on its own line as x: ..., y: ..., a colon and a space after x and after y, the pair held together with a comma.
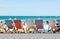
x: 29, y: 36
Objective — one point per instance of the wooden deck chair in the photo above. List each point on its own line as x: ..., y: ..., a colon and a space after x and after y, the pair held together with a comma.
x: 18, y: 26
x: 52, y: 26
x: 58, y: 25
x: 9, y: 24
x: 31, y: 26
x: 39, y: 25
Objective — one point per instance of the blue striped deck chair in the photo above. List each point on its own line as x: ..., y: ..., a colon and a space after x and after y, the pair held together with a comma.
x: 9, y: 25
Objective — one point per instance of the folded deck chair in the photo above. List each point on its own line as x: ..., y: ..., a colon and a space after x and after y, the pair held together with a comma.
x: 31, y: 26
x: 9, y: 24
x: 18, y: 25
x: 39, y: 25
x: 52, y: 26
x: 58, y: 25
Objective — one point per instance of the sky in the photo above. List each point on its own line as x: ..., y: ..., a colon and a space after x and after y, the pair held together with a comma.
x: 29, y: 7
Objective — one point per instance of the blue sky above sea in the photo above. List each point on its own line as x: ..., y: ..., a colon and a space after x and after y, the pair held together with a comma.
x: 29, y: 7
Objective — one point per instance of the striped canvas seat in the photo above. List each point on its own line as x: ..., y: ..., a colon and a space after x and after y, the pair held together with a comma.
x: 31, y: 26
x: 9, y: 24
x: 18, y: 25
x: 39, y: 25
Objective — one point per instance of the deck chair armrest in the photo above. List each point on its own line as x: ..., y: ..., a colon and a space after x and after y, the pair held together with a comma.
x: 21, y: 30
x: 43, y: 28
x: 31, y: 29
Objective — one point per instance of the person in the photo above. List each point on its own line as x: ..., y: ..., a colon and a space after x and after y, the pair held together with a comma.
x: 5, y: 27
x: 25, y: 27
x: 1, y: 27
